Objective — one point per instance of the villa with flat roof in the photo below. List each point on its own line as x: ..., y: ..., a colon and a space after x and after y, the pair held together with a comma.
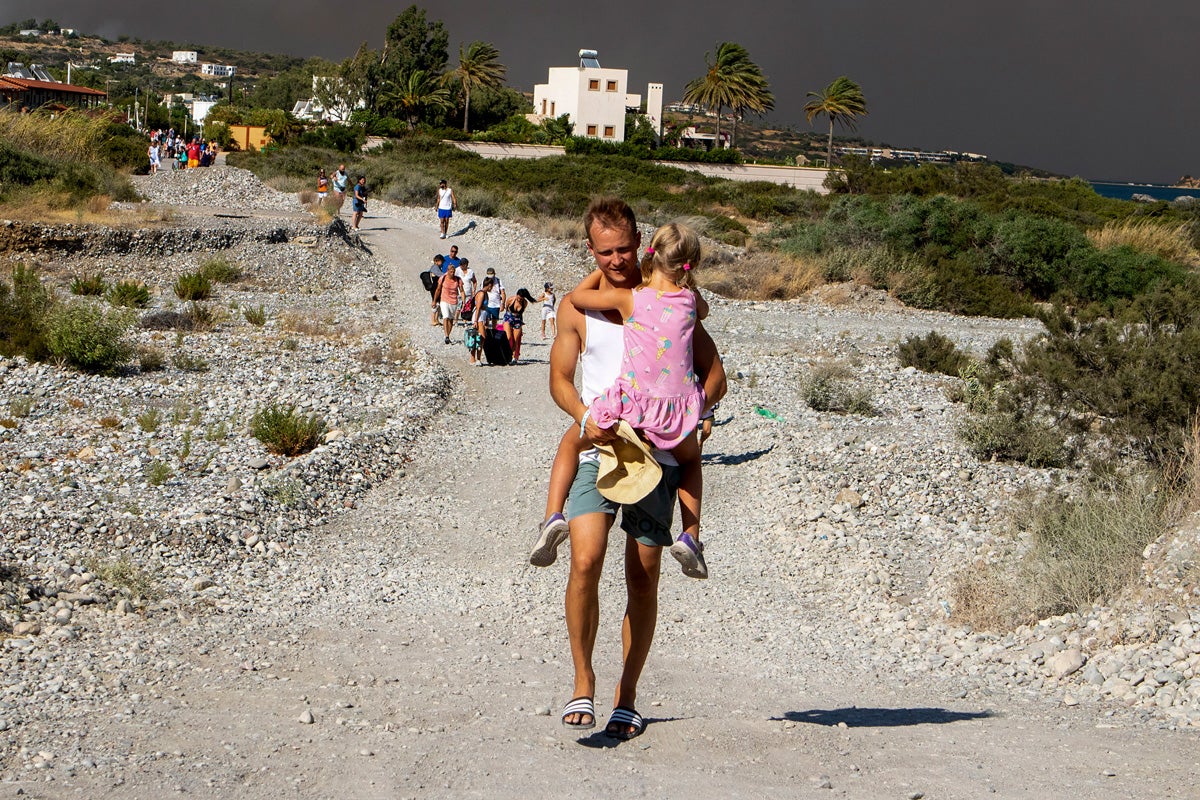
x: 595, y: 99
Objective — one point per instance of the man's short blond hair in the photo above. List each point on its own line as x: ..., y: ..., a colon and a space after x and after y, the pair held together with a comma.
x: 611, y: 213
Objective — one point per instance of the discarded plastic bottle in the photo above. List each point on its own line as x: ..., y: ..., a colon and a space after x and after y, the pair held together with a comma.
x: 765, y: 412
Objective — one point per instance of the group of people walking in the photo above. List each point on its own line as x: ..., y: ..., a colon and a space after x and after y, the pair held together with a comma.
x: 178, y: 151
x: 493, y: 320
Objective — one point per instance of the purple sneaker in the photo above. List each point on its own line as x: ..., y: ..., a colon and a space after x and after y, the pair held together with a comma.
x: 690, y: 555
x: 551, y: 534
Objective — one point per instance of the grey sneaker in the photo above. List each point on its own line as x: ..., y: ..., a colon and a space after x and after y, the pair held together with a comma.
x: 551, y: 534
x: 690, y: 555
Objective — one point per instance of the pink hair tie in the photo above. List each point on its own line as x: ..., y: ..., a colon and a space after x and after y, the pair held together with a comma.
x: 686, y: 266
x: 649, y: 251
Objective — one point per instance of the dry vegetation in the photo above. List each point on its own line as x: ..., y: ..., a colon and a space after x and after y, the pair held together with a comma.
x: 762, y: 276
x: 314, y: 322
x: 1170, y: 241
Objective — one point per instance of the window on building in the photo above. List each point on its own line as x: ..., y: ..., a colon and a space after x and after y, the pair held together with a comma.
x: 591, y: 130
x: 594, y: 85
x: 552, y: 108
x: 611, y: 86
x: 609, y: 131
x: 543, y: 106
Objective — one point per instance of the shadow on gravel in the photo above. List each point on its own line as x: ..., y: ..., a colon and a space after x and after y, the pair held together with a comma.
x: 730, y: 459
x: 470, y: 226
x: 882, y: 717
x: 598, y: 741
x: 341, y: 230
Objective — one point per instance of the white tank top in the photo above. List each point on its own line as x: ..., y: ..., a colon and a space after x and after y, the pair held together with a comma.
x: 444, y: 201
x: 600, y: 361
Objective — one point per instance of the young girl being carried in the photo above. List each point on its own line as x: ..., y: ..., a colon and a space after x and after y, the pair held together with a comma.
x: 656, y: 392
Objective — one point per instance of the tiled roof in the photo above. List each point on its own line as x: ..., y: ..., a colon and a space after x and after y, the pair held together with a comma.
x: 66, y: 88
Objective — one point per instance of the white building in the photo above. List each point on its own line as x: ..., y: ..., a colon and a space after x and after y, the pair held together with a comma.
x: 123, y: 58
x: 595, y: 99
x: 184, y: 56
x: 200, y: 109
x: 218, y: 70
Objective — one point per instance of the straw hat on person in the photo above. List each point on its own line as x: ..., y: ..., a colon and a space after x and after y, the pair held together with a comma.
x: 628, y: 471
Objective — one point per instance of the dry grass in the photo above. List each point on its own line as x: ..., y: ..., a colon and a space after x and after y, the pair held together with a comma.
x: 1183, y: 476
x: 324, y: 212
x: 1170, y: 241
x: 762, y: 276
x: 307, y: 197
x: 289, y: 184
x: 1074, y: 552
x: 560, y: 228
x: 397, y: 350
x: 313, y: 322
x: 69, y: 136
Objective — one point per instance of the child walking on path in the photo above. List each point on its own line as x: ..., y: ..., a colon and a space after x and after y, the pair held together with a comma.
x: 656, y: 392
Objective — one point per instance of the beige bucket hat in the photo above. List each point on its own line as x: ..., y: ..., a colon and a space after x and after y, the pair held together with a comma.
x: 628, y: 471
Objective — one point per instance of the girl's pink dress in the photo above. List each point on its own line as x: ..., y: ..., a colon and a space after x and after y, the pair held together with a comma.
x: 656, y: 391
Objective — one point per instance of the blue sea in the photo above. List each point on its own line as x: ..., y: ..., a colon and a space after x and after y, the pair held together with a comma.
x: 1126, y: 191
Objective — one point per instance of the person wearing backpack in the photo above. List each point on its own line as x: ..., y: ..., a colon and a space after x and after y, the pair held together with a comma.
x: 449, y: 290
x: 429, y: 279
x: 462, y: 268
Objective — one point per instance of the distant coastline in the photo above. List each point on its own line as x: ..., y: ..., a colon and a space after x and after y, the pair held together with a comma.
x: 1126, y: 191
x: 1186, y: 182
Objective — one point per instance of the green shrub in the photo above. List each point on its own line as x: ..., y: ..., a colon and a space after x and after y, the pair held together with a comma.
x: 126, y: 577
x: 1036, y: 251
x: 89, y: 285
x: 219, y: 270
x: 202, y: 317
x: 1003, y: 424
x: 827, y: 389
x: 193, y: 286
x: 188, y: 362
x: 960, y: 287
x: 256, y: 316
x: 24, y: 306
x: 150, y: 419
x: 1132, y: 376
x: 158, y: 473
x: 166, y: 320
x: 1014, y: 436
x: 284, y: 431
x: 151, y: 359
x: 89, y: 337
x: 128, y: 295
x: 20, y: 407
x: 1121, y: 273
x: 932, y: 353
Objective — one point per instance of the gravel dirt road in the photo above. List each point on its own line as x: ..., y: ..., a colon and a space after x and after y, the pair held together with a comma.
x: 412, y: 652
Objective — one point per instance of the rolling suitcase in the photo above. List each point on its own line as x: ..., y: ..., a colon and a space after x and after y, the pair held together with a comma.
x: 496, y: 348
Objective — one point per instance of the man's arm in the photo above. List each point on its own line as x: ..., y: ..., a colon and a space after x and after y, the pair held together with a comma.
x: 437, y: 291
x: 706, y: 362
x: 603, y: 300
x: 564, y: 358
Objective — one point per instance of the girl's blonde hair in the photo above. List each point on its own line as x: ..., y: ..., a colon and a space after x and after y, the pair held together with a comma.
x: 675, y: 250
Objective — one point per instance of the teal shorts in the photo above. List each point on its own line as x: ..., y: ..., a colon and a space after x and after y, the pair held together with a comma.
x: 649, y: 520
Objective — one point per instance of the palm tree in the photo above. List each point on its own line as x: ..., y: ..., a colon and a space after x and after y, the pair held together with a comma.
x: 477, y: 66
x: 731, y: 79
x: 415, y: 94
x: 841, y: 101
x: 755, y: 98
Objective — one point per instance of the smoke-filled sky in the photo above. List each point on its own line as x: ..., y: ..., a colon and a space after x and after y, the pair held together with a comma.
x: 1103, y: 89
